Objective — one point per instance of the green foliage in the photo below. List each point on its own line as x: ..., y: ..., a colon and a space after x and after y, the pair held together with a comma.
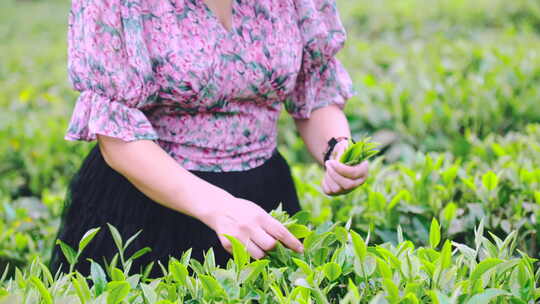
x: 497, y: 185
x: 333, y: 270
x: 358, y: 152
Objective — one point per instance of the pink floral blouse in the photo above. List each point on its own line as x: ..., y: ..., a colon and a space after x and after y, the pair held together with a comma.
x: 169, y: 71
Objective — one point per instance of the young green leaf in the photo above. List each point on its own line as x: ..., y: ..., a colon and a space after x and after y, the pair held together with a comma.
x: 117, y: 274
x: 303, y: 265
x: 483, y: 267
x: 490, y: 180
x: 45, y: 294
x: 118, y: 291
x: 87, y: 237
x: 434, y: 233
x: 252, y: 271
x: 81, y: 288
x: 98, y: 277
x: 69, y: 253
x: 299, y: 231
x: 358, y: 152
x: 392, y: 290
x: 332, y: 270
x: 360, y: 247
x: 116, y: 237
x: 240, y: 253
x: 486, y: 296
x: 178, y: 271
x: 383, y: 269
x: 212, y: 286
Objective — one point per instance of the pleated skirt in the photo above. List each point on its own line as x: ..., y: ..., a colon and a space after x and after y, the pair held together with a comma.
x: 97, y: 195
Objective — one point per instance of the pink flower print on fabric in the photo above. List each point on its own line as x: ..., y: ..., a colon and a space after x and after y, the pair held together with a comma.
x: 164, y: 71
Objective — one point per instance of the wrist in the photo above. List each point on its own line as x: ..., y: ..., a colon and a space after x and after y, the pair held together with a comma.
x: 330, y: 147
x: 210, y: 206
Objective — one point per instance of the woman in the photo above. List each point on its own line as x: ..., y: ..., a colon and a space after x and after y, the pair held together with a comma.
x: 183, y: 98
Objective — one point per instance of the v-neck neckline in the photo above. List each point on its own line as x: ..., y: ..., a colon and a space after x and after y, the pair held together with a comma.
x: 216, y: 20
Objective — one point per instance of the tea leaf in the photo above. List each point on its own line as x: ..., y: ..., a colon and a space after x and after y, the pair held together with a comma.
x: 486, y: 296
x: 252, y: 271
x: 149, y: 294
x: 392, y: 290
x: 402, y: 195
x: 45, y: 294
x: 87, y: 237
x: 116, y: 237
x: 140, y: 253
x: 69, y: 253
x: 353, y: 290
x: 211, y: 286
x: 303, y: 265
x: 358, y: 152
x: 81, y: 287
x: 446, y: 255
x: 118, y: 291
x: 360, y: 247
x: 131, y: 239
x: 178, y: 271
x: 490, y: 180
x: 240, y: 253
x: 411, y: 298
x: 117, y: 274
x: 299, y: 231
x: 332, y: 271
x: 384, y: 270
x: 98, y: 277
x: 434, y: 233
x: 483, y: 267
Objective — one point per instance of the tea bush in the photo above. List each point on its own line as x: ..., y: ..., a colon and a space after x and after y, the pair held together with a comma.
x: 338, y: 266
x: 499, y: 184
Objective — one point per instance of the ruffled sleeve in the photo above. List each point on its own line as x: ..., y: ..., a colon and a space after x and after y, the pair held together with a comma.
x: 322, y: 79
x: 108, y: 62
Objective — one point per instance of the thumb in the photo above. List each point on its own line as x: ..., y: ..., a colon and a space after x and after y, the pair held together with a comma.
x: 339, y: 149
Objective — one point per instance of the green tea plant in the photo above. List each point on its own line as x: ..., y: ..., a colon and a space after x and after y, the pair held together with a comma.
x: 499, y: 184
x: 338, y: 266
x: 359, y: 151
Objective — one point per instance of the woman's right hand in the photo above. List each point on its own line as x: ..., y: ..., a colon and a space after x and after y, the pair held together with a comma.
x: 252, y: 225
x: 162, y: 179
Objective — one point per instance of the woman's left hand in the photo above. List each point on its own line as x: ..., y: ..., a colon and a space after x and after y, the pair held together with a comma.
x: 340, y: 178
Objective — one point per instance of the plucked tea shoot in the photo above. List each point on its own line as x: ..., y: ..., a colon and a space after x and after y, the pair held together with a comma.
x: 359, y: 151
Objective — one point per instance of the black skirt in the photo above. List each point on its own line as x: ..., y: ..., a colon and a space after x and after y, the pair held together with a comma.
x: 98, y: 195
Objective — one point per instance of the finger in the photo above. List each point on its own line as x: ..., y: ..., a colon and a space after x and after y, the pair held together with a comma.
x: 225, y: 243
x: 332, y: 184
x: 343, y: 182
x: 254, y: 250
x: 352, y: 172
x: 339, y: 148
x: 281, y: 233
x: 325, y: 187
x: 263, y: 240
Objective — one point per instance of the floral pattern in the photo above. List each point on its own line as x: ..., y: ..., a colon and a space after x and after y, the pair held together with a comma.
x: 169, y: 71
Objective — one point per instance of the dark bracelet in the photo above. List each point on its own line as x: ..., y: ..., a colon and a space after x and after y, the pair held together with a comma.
x: 331, y: 144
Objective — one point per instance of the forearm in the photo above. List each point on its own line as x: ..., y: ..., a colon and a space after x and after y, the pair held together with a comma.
x: 155, y: 173
x: 323, y: 124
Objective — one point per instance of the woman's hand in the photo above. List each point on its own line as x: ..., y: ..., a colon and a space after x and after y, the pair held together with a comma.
x: 163, y: 180
x: 252, y: 225
x: 340, y: 178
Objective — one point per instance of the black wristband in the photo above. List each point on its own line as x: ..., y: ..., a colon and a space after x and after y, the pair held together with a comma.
x: 331, y: 144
